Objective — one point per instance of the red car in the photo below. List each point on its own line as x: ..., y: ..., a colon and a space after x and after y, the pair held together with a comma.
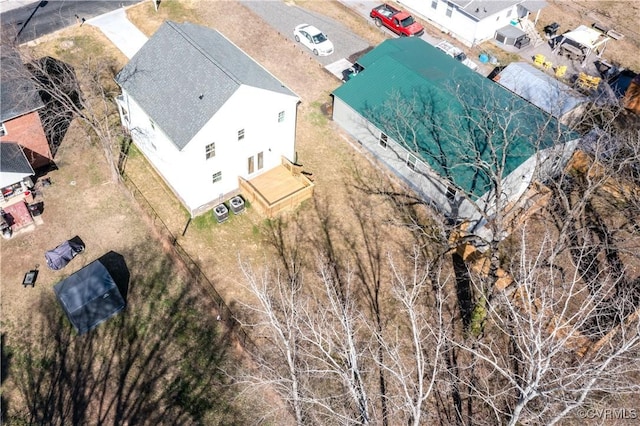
x: 398, y: 21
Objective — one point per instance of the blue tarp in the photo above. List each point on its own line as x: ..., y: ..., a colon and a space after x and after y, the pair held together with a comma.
x: 89, y: 297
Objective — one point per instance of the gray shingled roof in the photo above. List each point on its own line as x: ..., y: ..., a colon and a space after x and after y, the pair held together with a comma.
x: 13, y: 160
x: 18, y: 93
x: 184, y: 74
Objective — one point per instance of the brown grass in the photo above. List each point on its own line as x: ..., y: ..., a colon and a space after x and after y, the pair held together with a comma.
x: 82, y: 201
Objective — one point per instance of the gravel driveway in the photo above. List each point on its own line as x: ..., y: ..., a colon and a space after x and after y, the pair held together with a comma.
x: 285, y: 16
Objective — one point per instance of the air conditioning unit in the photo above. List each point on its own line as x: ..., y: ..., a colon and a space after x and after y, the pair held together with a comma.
x: 236, y: 204
x: 221, y: 213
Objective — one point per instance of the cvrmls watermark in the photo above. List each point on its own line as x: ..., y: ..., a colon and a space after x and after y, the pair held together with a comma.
x: 607, y: 413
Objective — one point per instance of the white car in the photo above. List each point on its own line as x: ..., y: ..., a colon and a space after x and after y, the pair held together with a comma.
x: 456, y: 53
x: 314, y: 39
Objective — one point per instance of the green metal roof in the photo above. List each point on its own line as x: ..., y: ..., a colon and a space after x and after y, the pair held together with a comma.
x: 456, y: 120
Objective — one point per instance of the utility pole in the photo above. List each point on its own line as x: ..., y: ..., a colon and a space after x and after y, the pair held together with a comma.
x: 42, y: 3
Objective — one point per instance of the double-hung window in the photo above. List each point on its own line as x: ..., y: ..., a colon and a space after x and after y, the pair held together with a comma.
x: 383, y: 140
x: 210, y: 150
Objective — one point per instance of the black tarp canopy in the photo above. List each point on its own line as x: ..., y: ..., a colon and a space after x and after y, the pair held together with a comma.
x: 89, y: 297
x: 58, y: 257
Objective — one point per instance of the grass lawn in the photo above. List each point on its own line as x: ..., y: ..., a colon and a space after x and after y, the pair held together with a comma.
x: 162, y: 359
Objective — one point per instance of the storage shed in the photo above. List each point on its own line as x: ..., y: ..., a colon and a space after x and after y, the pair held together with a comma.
x: 509, y: 35
x: 89, y: 297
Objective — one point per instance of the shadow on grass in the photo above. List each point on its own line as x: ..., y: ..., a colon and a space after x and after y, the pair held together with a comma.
x: 158, y: 362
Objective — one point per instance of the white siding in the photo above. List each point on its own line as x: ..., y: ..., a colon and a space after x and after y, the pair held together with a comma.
x: 461, y: 26
x: 189, y: 173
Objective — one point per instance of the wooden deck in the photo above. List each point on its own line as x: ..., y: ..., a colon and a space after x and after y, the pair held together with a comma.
x: 277, y: 184
x: 281, y: 188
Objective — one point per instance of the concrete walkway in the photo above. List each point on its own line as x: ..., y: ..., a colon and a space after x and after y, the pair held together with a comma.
x: 122, y: 33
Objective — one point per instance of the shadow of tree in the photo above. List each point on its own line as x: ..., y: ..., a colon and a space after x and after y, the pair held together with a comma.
x: 159, y: 362
x: 5, y: 361
x: 60, y: 93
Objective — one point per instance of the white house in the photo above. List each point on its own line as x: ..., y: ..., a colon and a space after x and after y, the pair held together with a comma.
x: 474, y: 21
x: 204, y: 113
x: 449, y: 133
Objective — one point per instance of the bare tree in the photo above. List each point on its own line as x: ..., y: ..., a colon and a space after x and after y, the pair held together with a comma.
x: 83, y: 89
x: 336, y: 329
x: 553, y: 340
x: 278, y: 324
x: 412, y: 360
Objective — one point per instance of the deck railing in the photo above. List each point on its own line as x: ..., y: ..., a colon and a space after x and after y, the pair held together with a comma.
x: 288, y: 202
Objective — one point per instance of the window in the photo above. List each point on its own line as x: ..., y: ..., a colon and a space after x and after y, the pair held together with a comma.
x: 434, y: 4
x: 3, y: 130
x: 412, y: 160
x: 153, y: 125
x: 250, y: 165
x: 383, y: 140
x: 210, y: 150
x: 125, y: 114
x: 240, y: 134
x: 449, y: 10
x: 280, y: 116
x: 509, y: 12
x: 260, y: 161
x: 217, y: 177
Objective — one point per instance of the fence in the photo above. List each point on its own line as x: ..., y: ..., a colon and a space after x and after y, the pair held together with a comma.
x: 191, y: 265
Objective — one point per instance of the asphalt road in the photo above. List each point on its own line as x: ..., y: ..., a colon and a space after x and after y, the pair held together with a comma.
x: 285, y: 16
x: 39, y: 18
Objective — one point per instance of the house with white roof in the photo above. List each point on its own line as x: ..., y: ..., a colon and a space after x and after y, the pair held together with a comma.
x: 544, y: 91
x: 475, y: 21
x: 205, y: 114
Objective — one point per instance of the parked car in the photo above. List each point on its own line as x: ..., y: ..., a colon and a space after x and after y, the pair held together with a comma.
x: 398, y: 21
x: 456, y: 53
x: 314, y: 39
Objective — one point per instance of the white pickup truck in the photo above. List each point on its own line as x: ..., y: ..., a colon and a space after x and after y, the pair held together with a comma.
x: 456, y: 53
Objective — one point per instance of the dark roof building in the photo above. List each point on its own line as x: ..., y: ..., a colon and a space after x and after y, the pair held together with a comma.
x: 13, y: 164
x: 20, y: 109
x: 89, y: 297
x: 18, y: 94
